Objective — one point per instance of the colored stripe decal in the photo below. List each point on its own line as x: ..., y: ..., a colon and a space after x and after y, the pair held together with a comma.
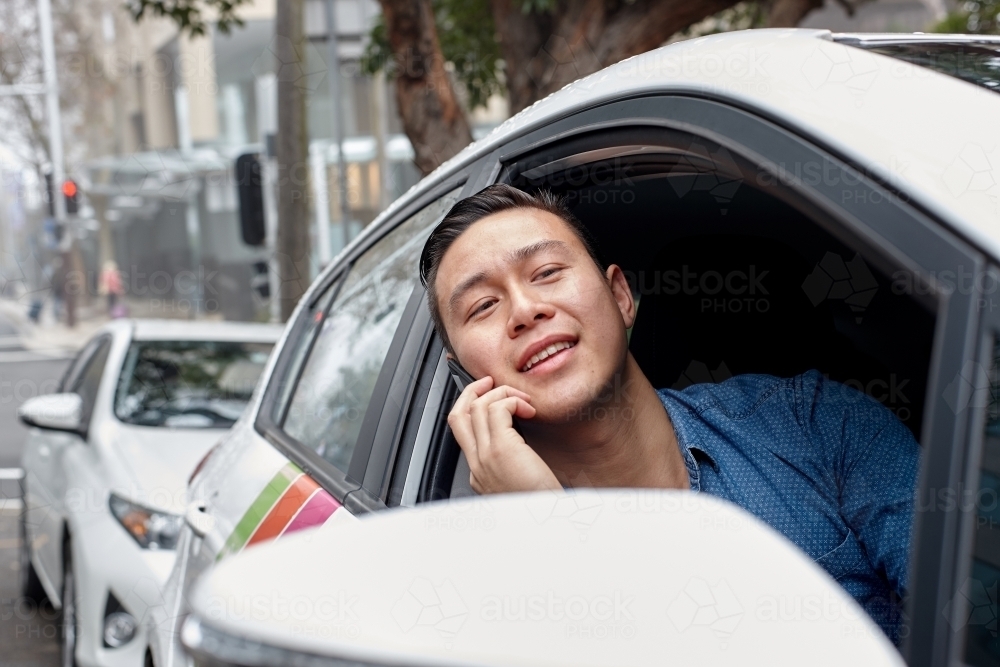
x: 259, y: 508
x: 285, y: 510
x: 316, y: 511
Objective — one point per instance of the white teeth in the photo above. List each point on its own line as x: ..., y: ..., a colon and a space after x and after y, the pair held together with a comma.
x: 546, y: 353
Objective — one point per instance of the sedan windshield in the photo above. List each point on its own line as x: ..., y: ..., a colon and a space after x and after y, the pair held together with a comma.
x: 188, y: 384
x: 975, y: 62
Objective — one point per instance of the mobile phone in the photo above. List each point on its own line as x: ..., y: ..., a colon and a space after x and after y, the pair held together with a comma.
x: 459, y: 374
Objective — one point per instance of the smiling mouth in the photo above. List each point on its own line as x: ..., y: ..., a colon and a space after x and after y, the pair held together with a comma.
x: 546, y: 353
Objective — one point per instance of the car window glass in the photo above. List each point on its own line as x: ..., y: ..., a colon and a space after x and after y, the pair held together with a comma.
x: 314, y: 317
x: 188, y: 384
x: 72, y: 373
x: 88, y: 383
x: 978, y: 594
x: 329, y: 402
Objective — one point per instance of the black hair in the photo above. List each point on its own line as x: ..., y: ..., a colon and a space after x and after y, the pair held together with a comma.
x: 468, y: 211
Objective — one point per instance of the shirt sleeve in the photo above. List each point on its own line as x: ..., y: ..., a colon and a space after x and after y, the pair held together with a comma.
x: 874, y: 461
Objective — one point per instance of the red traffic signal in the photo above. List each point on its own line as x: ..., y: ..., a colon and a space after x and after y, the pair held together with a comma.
x: 72, y: 195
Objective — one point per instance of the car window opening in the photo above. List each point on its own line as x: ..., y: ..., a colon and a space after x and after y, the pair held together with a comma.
x: 731, y: 278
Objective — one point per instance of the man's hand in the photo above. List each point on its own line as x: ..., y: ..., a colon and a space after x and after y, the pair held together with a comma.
x: 499, y: 458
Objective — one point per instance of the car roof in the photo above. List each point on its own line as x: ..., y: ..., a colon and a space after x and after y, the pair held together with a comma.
x: 931, y: 135
x: 198, y: 330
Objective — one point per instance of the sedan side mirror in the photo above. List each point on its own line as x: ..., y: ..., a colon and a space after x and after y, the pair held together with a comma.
x: 56, y: 412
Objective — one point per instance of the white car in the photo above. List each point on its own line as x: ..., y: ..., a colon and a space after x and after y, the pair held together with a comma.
x: 107, y: 462
x: 780, y: 200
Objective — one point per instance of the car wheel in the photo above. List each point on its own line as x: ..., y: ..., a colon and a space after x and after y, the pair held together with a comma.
x: 31, y: 585
x: 69, y: 621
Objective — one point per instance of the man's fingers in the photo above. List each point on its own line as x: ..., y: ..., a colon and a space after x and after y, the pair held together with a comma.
x: 472, y: 392
x: 502, y: 412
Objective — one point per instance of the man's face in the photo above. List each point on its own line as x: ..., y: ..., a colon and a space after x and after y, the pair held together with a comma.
x: 519, y: 285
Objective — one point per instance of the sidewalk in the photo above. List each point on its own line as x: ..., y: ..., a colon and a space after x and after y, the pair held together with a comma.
x: 49, y: 337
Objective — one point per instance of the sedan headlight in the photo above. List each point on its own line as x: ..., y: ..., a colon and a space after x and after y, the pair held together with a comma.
x: 150, y: 528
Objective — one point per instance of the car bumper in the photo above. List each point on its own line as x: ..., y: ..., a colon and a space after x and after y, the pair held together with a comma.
x: 107, y: 560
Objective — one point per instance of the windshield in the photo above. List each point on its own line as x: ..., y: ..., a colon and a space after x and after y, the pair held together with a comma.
x: 977, y: 63
x: 188, y: 384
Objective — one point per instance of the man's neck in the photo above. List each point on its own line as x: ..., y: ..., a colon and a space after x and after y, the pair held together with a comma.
x: 625, y: 442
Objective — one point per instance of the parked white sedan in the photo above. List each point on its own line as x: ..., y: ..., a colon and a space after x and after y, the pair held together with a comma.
x: 107, y: 463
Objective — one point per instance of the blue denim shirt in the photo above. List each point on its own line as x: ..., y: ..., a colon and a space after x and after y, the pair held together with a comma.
x: 830, y: 468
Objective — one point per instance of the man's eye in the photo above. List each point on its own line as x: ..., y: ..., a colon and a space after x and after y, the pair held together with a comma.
x: 545, y: 273
x: 482, y: 307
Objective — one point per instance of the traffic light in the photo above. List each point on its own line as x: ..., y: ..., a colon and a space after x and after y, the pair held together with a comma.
x: 251, y: 195
x: 71, y: 194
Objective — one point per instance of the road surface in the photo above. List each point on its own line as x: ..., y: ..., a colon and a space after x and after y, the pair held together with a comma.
x: 29, y: 632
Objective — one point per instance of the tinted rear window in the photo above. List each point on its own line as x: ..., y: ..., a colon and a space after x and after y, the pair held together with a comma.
x: 189, y: 384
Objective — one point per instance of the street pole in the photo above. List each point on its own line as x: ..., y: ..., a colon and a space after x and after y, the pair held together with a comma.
x: 338, y: 116
x: 52, y: 107
x: 56, y: 155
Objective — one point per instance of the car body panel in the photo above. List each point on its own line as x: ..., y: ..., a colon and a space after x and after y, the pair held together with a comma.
x: 604, y: 594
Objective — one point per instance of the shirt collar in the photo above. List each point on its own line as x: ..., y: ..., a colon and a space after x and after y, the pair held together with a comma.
x: 684, y: 422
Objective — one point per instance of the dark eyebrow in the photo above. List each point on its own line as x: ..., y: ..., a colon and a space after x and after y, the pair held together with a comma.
x: 464, y: 287
x: 513, y: 257
x: 521, y: 254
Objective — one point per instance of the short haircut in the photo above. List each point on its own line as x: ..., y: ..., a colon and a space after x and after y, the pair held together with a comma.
x: 468, y: 211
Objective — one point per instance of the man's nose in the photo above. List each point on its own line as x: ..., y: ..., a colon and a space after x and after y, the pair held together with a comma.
x: 527, y: 311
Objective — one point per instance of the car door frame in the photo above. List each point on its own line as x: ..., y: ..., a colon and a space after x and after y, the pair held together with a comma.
x: 346, y: 487
x: 975, y: 412
x: 885, y: 218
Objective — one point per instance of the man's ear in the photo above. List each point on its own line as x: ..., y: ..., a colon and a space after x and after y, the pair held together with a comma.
x: 622, y: 293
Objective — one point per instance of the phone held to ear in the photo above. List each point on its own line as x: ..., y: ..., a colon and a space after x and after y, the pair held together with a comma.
x: 463, y: 379
x: 459, y: 374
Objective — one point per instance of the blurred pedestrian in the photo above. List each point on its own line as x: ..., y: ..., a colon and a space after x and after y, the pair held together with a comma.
x: 110, y: 285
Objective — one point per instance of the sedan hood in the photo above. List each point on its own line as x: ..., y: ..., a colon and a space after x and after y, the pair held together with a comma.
x: 158, y: 461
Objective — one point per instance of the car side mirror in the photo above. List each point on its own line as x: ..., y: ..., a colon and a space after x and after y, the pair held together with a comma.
x: 55, y: 412
x: 592, y: 577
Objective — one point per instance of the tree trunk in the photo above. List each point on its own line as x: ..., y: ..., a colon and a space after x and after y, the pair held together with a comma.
x: 545, y: 51
x: 292, y: 152
x: 788, y: 13
x: 432, y: 117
